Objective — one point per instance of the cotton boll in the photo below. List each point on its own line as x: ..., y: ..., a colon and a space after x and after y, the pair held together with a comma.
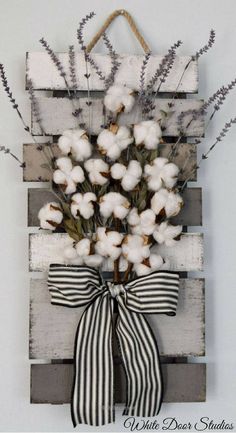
x: 161, y: 172
x: 168, y: 200
x: 132, y: 176
x: 166, y: 233
x: 82, y: 205
x: 143, y: 224
x: 153, y: 263
x: 97, y: 170
x: 112, y: 142
x: 70, y: 252
x: 50, y: 216
x: 133, y: 217
x: 93, y: 260
x: 119, y: 98
x: 83, y: 247
x: 114, y: 203
x: 118, y: 171
x: 147, y: 133
x: 108, y: 243
x: 67, y: 175
x: 135, y: 248
x: 76, y: 142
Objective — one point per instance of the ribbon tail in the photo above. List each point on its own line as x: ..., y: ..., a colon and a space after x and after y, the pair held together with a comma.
x: 92, y: 399
x: 141, y: 362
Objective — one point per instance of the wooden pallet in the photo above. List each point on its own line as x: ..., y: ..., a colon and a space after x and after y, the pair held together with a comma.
x: 52, y: 328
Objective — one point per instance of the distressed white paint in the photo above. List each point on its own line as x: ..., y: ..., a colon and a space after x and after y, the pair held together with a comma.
x: 46, y: 248
x: 57, y: 116
x: 44, y: 73
x: 52, y: 328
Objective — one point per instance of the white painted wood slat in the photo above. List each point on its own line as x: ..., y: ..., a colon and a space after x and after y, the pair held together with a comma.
x: 186, y: 255
x: 52, y: 328
x: 45, y: 76
x: 57, y: 116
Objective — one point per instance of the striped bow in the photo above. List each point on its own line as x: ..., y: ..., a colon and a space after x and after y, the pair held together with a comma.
x: 92, y: 397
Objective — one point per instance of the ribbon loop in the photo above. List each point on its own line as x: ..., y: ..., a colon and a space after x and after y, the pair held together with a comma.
x: 92, y: 398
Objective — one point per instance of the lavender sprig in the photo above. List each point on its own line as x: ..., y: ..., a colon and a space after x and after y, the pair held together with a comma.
x: 161, y: 73
x: 80, y: 38
x: 35, y: 106
x: 115, y: 64
x: 143, y: 73
x: 206, y: 47
x: 57, y: 63
x: 204, y: 156
x: 72, y: 69
x: 8, y: 151
x: 8, y: 91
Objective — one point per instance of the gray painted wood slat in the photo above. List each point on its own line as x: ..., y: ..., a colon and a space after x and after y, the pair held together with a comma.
x: 52, y: 328
x: 52, y: 383
x: 190, y: 214
x: 57, y: 116
x: 186, y: 255
x: 45, y: 76
x: 33, y: 159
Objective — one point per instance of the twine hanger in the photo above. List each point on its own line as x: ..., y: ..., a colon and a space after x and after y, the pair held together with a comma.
x: 109, y: 20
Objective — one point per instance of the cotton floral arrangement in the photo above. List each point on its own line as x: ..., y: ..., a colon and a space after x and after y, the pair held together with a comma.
x: 114, y: 194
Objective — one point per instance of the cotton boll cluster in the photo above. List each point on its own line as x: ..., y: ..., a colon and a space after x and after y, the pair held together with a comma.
x: 161, y: 173
x: 135, y: 248
x: 167, y: 201
x: 97, y: 171
x: 153, y: 263
x: 81, y: 254
x: 114, y: 204
x: 130, y: 175
x: 143, y: 223
x: 119, y: 98
x: 67, y: 175
x: 166, y: 233
x: 50, y: 216
x: 113, y: 141
x: 108, y: 243
x: 82, y: 205
x: 76, y: 142
x: 147, y: 133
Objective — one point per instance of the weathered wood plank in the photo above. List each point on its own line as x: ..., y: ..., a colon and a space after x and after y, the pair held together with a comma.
x: 57, y: 116
x: 33, y: 159
x: 45, y: 76
x: 52, y: 328
x: 190, y: 215
x: 46, y: 248
x: 52, y: 383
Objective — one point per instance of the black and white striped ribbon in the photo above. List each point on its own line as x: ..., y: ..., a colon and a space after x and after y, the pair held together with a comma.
x: 92, y: 397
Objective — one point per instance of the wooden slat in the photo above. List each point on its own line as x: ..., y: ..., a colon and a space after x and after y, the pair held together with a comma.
x: 190, y: 215
x: 52, y: 383
x: 33, y: 159
x: 44, y: 74
x: 185, y: 256
x: 52, y: 328
x: 57, y: 116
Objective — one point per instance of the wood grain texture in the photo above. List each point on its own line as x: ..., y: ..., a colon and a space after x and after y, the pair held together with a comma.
x: 52, y: 328
x: 57, y: 116
x: 185, y: 256
x: 45, y: 76
x: 52, y: 383
x: 33, y: 159
x: 190, y: 215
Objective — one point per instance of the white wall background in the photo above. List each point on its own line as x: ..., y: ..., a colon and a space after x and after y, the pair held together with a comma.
x: 22, y: 23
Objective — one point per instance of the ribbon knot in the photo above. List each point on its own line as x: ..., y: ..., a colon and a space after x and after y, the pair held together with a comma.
x: 92, y: 397
x: 115, y: 289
